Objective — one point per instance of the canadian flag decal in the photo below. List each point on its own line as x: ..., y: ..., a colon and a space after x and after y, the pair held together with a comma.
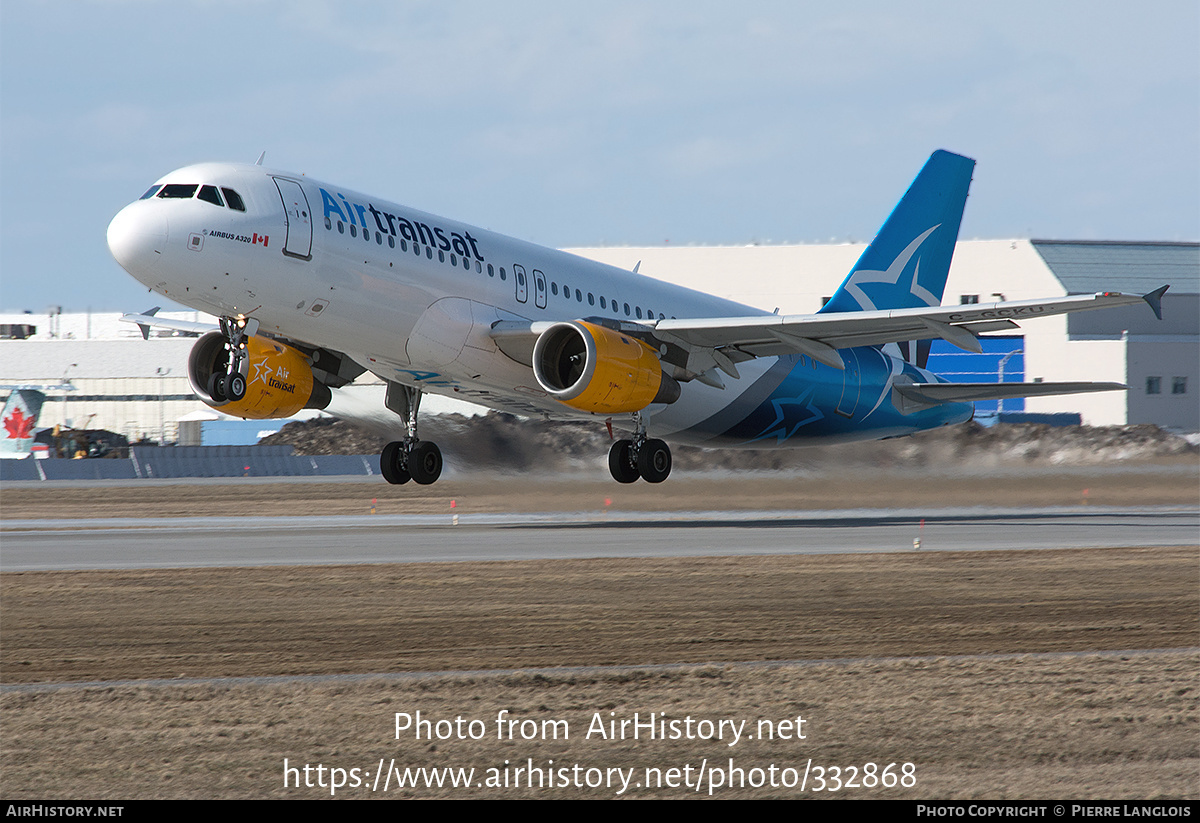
x: 259, y: 239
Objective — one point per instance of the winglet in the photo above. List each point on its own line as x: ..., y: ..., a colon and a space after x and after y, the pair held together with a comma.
x: 1154, y: 299
x: 145, y: 328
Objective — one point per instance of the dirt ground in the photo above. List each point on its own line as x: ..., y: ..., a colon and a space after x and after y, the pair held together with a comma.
x: 116, y: 625
x: 1123, y: 725
x: 1077, y: 705
x: 1071, y: 728
x: 1135, y: 486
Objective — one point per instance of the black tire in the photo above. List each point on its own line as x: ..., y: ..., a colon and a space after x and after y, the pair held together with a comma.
x: 425, y: 463
x: 620, y: 462
x: 392, y: 464
x: 216, y: 388
x: 654, y: 461
x: 235, y: 387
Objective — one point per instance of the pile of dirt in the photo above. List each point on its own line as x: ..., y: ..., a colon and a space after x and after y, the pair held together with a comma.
x: 498, y: 441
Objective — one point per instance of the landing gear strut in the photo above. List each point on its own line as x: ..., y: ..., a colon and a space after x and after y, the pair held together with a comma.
x: 230, y: 384
x: 642, y: 457
x: 410, y: 458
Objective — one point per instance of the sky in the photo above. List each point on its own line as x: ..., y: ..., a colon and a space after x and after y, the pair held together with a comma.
x: 622, y: 123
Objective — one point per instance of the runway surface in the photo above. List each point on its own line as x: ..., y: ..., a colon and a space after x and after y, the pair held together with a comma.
x: 131, y: 543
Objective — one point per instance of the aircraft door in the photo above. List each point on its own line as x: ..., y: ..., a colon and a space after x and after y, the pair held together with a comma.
x: 539, y: 289
x: 851, y: 383
x: 522, y: 283
x: 299, y: 219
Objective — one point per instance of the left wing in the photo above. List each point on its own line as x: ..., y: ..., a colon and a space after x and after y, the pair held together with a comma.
x: 698, y: 347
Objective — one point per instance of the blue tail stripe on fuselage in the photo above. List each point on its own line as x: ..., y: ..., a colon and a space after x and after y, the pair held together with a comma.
x: 805, y: 405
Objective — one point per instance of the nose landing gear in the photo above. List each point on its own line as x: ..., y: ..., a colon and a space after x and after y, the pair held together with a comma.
x: 230, y: 384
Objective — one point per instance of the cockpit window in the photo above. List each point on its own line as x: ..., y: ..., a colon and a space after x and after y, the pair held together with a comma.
x: 149, y: 192
x: 233, y: 199
x: 209, y: 194
x: 177, y: 190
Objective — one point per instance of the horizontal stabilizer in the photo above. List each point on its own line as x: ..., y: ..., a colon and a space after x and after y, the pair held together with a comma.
x: 932, y: 394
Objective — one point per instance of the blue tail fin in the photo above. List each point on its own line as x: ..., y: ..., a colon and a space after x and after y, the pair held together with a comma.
x: 906, y: 264
x: 20, y: 416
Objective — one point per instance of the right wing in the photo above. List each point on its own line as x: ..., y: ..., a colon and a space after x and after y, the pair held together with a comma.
x: 147, y: 319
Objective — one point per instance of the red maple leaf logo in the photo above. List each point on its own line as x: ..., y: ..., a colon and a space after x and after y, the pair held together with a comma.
x: 18, y: 425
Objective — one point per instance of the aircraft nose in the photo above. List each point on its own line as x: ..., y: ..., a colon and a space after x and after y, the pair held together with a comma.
x: 137, y: 237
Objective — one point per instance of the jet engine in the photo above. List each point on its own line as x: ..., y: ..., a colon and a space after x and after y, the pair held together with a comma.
x: 279, y: 379
x: 596, y: 369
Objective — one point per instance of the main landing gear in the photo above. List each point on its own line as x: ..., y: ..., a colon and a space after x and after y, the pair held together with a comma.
x: 230, y: 384
x: 410, y: 458
x: 642, y: 457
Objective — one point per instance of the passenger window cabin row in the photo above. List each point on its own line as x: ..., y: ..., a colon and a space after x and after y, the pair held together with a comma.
x: 556, y: 289
x: 210, y: 194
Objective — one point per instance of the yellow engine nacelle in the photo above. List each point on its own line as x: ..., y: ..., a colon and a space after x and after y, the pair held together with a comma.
x: 595, y: 369
x: 279, y: 381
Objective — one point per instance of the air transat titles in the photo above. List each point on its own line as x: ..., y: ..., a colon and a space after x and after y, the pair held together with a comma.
x: 411, y: 230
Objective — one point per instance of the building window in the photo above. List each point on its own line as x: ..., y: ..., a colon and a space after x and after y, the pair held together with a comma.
x: 1153, y: 385
x: 967, y: 299
x: 1178, y: 385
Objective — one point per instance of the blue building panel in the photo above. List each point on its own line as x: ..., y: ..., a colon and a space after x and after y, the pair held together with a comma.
x: 960, y: 366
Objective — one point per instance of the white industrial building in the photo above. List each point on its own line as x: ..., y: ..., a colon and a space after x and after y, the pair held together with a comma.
x: 99, y: 373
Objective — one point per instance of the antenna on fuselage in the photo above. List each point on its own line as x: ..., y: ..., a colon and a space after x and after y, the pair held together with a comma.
x: 637, y: 266
x: 258, y: 162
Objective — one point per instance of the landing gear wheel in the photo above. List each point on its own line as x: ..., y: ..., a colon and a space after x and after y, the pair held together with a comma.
x: 620, y: 462
x: 392, y: 464
x: 216, y: 388
x: 654, y: 461
x: 425, y: 462
x: 235, y: 387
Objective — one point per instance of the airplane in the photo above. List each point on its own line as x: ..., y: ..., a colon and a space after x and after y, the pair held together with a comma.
x: 315, y: 284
